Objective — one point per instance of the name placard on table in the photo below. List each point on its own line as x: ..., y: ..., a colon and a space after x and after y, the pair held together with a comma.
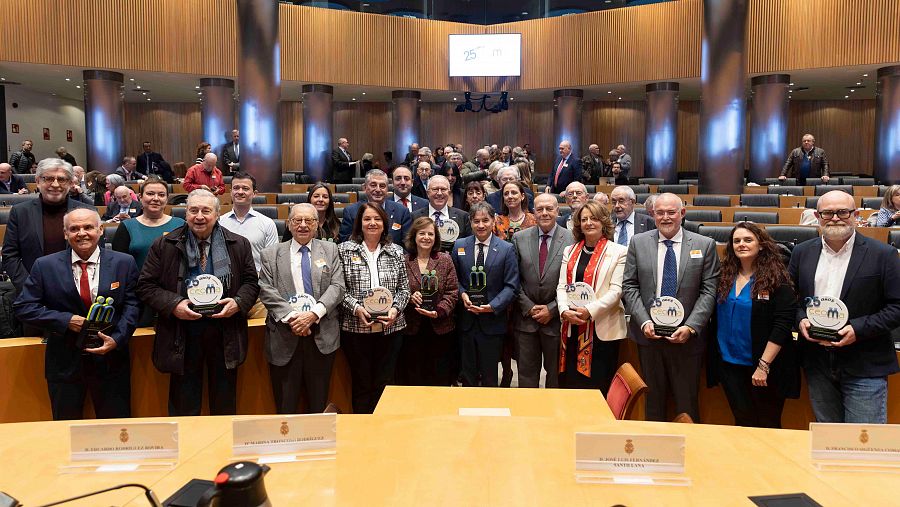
x: 620, y: 458
x: 130, y: 446
x: 284, y: 436
x: 845, y: 445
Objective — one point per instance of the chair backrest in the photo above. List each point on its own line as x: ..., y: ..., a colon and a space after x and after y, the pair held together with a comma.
x: 712, y: 200
x: 13, y: 199
x: 564, y: 210
x: 882, y: 189
x: 689, y: 181
x: 4, y: 216
x: 785, y: 190
x: 823, y: 189
x: 109, y: 232
x: 673, y: 189
x: 281, y: 226
x: 812, y: 182
x: 812, y: 202
x: 29, y: 178
x: 858, y: 182
x: 339, y: 212
x: 760, y: 200
x: 894, y: 239
x: 347, y: 187
x: 651, y: 181
x: 872, y: 202
x: 345, y: 198
x: 793, y: 233
x: 227, y: 179
x: 641, y: 197
x: 179, y: 211
x: 269, y: 211
x: 627, y: 386
x: 290, y: 198
x: 642, y: 211
x: 288, y: 178
x: 776, y: 181
x: 689, y: 225
x: 640, y: 189
x: 591, y: 189
x: 259, y: 199
x: 719, y: 233
x: 703, y: 215
x: 760, y: 217
x: 359, y: 181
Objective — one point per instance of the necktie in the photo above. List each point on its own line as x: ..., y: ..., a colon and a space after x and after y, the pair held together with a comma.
x: 437, y: 218
x: 405, y: 202
x: 558, y: 172
x: 479, y: 260
x: 542, y: 256
x: 623, y: 233
x: 237, y: 151
x: 84, y: 285
x: 306, y: 270
x: 203, y: 254
x: 670, y: 271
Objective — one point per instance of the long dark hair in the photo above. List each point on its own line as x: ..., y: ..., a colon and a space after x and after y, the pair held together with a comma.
x: 769, y: 264
x: 357, y: 234
x: 504, y: 210
x: 331, y: 226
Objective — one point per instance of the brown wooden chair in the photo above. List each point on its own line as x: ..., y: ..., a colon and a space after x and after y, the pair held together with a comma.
x: 683, y: 417
x: 627, y: 386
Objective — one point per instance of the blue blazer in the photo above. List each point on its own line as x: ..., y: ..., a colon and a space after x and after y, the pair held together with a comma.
x: 49, y: 298
x: 502, y: 270
x: 399, y: 220
x: 571, y: 172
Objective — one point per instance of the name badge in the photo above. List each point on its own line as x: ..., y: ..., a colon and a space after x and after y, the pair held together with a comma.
x: 355, y: 259
x: 763, y: 296
x: 320, y: 263
x: 855, y: 442
x: 395, y: 226
x: 114, y: 286
x: 460, y: 251
x: 696, y: 254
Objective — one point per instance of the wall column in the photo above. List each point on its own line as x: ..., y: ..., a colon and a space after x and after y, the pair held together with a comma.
x: 217, y: 112
x: 3, y: 139
x: 104, y: 112
x: 259, y: 81
x: 768, y: 125
x: 887, y: 125
x: 723, y: 75
x: 406, y: 115
x: 661, y: 132
x: 567, y: 106
x: 318, y: 124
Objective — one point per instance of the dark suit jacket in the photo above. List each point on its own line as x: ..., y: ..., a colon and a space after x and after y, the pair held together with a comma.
x: 771, y: 320
x: 642, y: 223
x: 135, y: 175
x: 145, y: 163
x: 113, y: 209
x: 16, y: 183
x: 536, y: 289
x: 818, y: 165
x: 50, y: 298
x: 502, y: 278
x: 418, y: 188
x: 496, y: 199
x: 871, y: 292
x: 228, y: 156
x: 416, y: 201
x: 457, y: 215
x: 24, y: 240
x: 570, y: 172
x: 341, y: 170
x: 398, y: 220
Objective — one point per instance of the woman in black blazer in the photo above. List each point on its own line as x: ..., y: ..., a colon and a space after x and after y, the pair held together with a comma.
x: 754, y: 355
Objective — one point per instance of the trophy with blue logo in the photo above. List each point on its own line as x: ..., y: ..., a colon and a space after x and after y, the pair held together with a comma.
x: 827, y: 315
x: 667, y: 313
x: 429, y: 290
x: 204, y: 291
x: 99, y: 318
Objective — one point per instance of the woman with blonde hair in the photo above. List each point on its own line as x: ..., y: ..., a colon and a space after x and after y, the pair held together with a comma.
x: 889, y: 214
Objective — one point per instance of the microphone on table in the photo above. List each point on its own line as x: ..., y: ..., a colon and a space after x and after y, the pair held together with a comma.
x: 8, y: 501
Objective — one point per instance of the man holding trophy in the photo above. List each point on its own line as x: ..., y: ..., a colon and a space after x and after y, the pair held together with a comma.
x: 849, y: 301
x: 201, y: 280
x: 670, y: 283
x: 84, y: 298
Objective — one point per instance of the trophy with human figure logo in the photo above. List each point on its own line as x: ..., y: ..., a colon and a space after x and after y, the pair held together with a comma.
x: 579, y: 294
x: 478, y: 286
x: 827, y: 315
x: 429, y: 291
x: 204, y: 292
x: 99, y: 318
x: 667, y: 313
x: 378, y: 301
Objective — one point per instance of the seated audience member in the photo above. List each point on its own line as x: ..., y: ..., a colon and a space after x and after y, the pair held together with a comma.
x: 425, y: 155
x: 601, y: 197
x: 648, y: 204
x: 457, y: 197
x: 243, y: 220
x: 319, y: 195
x: 808, y: 217
x: 179, y: 170
x: 576, y: 195
x: 477, y: 170
x: 474, y: 194
x: 439, y: 211
x: 483, y: 326
x: 151, y: 162
x: 589, y: 346
x: 95, y: 182
x: 128, y: 170
x: 35, y: 227
x: 514, y: 215
x: 11, y: 183
x: 403, y: 186
x: 492, y: 184
x: 754, y: 356
x: 504, y: 176
x: 122, y: 207
x: 376, y: 188
x: 427, y: 357
x: 114, y: 181
x: 847, y: 378
x: 420, y: 183
x: 206, y: 176
x: 300, y: 344
x: 217, y: 342
x: 64, y: 154
x: 372, y: 343
x: 202, y: 149
x: 79, y: 190
x: 58, y: 295
x: 618, y: 172
x: 889, y: 214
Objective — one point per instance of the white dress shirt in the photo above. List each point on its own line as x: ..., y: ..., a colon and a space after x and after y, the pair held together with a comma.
x: 628, y: 227
x: 832, y: 268
x: 259, y: 230
x: 487, y: 249
x: 372, y: 263
x: 297, y: 276
x: 661, y: 256
x: 445, y: 213
x: 549, y: 237
x: 93, y: 269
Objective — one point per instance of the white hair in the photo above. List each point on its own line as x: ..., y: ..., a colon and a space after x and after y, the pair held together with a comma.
x: 199, y: 193
x: 52, y: 164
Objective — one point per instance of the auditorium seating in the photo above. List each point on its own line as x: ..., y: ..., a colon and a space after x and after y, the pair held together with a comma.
x: 640, y: 189
x: 858, y: 182
x: 269, y: 211
x: 288, y: 178
x: 689, y: 181
x: 760, y: 217
x: 776, y: 181
x: 872, y: 202
x: 641, y: 197
x: 894, y: 238
x: 4, y: 216
x: 712, y: 200
x: 109, y: 233
x: 673, y: 189
x: 290, y: 198
x: 651, y: 181
x: 760, y: 200
x: 624, y: 391
x: 703, y: 215
x: 691, y: 226
x: 281, y: 226
x: 259, y: 199
x: 13, y: 199
x: 823, y: 189
x: 347, y: 187
x: 719, y: 233
x: 812, y: 202
x: 785, y: 190
x: 812, y: 182
x: 792, y: 233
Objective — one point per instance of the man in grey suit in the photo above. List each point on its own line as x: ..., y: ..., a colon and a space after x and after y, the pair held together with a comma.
x: 438, y: 195
x: 539, y: 252
x: 671, y: 261
x: 628, y: 223
x: 301, y: 343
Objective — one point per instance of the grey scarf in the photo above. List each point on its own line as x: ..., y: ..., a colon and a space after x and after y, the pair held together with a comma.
x: 218, y: 252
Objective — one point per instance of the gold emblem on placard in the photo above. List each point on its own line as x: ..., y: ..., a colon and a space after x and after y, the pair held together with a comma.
x: 629, y: 446
x: 284, y: 428
x: 123, y: 435
x: 864, y: 436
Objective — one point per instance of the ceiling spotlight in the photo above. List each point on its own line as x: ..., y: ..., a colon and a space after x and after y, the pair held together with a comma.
x: 199, y: 93
x: 792, y: 84
x: 197, y: 87
x: 454, y: 98
x: 67, y: 79
x: 354, y: 98
x: 2, y: 79
x: 78, y: 86
x: 363, y: 93
x: 138, y: 87
x: 620, y: 98
x: 846, y: 96
x: 131, y: 79
x: 524, y: 13
x: 858, y: 83
x: 148, y: 100
x: 609, y: 92
x: 511, y: 98
x: 865, y: 75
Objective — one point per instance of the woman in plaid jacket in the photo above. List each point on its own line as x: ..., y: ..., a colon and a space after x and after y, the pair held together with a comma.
x: 372, y: 344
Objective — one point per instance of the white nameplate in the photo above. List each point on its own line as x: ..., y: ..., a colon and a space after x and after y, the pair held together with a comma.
x: 624, y: 453
x: 124, y: 441
x: 485, y: 412
x: 284, y: 434
x: 855, y: 442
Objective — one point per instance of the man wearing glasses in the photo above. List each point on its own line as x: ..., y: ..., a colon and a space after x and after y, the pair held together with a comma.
x: 576, y: 195
x: 628, y: 223
x: 848, y: 377
x: 35, y: 228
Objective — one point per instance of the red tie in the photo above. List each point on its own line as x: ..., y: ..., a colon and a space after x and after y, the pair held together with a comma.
x: 542, y: 257
x: 558, y: 171
x: 405, y: 202
x: 84, y: 286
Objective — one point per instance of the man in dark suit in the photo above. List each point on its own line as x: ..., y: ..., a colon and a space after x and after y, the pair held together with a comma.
x: 403, y: 182
x: 128, y: 170
x: 539, y: 251
x: 576, y: 195
x: 11, y: 183
x: 628, y: 223
x: 807, y: 161
x: 412, y: 157
x: 420, y: 182
x: 57, y: 296
x: 301, y: 343
x: 437, y: 210
x: 483, y: 327
x: 122, y: 207
x: 689, y: 272
x: 151, y: 162
x: 566, y: 169
x: 504, y: 176
x: 343, y: 167
x: 376, y: 191
x: 27, y: 233
x: 231, y: 154
x: 848, y: 378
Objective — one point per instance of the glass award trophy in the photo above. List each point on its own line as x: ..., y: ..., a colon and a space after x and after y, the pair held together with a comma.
x: 478, y: 286
x: 429, y: 291
x: 827, y: 315
x: 99, y: 318
x: 579, y: 294
x: 667, y: 313
x: 204, y: 292
x: 378, y: 301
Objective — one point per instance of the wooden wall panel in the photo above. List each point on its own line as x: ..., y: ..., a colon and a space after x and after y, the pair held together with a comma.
x: 173, y: 128
x: 688, y: 135
x: 845, y: 129
x: 368, y: 127
x: 609, y: 124
x: 291, y: 122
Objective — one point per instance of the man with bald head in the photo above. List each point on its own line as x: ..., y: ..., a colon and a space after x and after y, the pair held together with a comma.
x: 807, y: 161
x: 566, y: 169
x: 438, y: 196
x: 343, y: 167
x: 412, y: 157
x: 576, y: 195
x: 671, y: 261
x: 57, y: 298
x: 592, y: 165
x: 11, y: 183
x: 205, y: 175
x: 847, y: 376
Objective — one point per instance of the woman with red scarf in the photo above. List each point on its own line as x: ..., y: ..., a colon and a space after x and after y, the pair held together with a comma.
x: 592, y: 324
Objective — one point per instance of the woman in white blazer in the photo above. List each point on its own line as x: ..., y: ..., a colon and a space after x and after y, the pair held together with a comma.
x: 591, y: 328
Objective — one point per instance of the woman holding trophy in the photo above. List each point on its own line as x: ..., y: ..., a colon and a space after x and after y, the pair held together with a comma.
x: 589, y: 298
x: 377, y: 293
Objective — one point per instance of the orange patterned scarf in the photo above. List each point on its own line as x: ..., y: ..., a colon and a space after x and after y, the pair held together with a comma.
x: 585, y: 332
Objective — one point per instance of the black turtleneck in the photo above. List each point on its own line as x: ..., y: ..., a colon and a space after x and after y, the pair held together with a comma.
x: 52, y: 217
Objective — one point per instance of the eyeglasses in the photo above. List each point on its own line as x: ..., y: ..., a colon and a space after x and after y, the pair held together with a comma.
x: 309, y: 221
x: 828, y: 214
x: 58, y: 179
x: 619, y: 201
